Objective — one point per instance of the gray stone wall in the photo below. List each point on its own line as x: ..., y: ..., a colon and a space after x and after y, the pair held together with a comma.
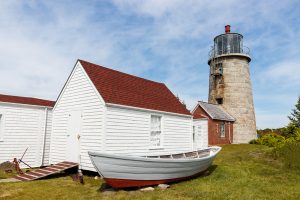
x: 234, y: 86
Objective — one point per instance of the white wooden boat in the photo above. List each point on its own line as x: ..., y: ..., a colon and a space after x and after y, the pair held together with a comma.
x: 120, y: 171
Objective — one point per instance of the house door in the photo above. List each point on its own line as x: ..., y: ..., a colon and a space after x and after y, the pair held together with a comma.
x: 73, y: 136
x: 197, y: 137
x: 200, y: 134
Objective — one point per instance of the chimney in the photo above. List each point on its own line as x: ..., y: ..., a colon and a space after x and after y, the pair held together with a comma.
x: 227, y: 29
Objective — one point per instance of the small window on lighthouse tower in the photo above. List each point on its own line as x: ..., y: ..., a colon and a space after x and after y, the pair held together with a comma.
x: 218, y: 69
x: 219, y: 100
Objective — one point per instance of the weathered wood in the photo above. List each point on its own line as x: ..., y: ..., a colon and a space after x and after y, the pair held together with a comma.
x: 47, y: 171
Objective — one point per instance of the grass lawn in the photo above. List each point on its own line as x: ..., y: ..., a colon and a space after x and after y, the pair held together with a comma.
x: 238, y: 172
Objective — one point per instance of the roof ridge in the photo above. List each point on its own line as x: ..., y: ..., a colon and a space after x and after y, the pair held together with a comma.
x: 107, y: 68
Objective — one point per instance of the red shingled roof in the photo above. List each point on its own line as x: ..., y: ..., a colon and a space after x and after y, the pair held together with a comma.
x: 26, y: 100
x: 124, y: 89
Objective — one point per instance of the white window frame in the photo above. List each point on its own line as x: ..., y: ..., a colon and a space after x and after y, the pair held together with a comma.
x: 222, y: 131
x: 1, y: 126
x: 161, y: 132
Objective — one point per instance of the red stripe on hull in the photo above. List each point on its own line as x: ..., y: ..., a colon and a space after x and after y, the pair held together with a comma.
x: 126, y: 183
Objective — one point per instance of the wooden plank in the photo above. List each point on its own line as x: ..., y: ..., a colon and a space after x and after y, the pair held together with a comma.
x: 70, y: 163
x: 63, y: 165
x: 52, y: 170
x: 34, y: 174
x: 26, y: 176
x: 45, y: 171
x: 20, y: 178
x: 56, y: 166
x: 41, y: 172
x: 37, y: 173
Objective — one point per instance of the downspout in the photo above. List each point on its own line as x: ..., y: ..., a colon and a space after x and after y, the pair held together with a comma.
x: 229, y: 134
x: 45, y: 133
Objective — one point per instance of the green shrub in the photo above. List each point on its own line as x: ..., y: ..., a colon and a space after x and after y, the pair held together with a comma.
x: 290, y: 131
x: 289, y: 153
x: 297, y: 136
x: 271, y: 140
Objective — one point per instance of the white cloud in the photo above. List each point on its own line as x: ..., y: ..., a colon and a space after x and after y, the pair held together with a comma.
x: 167, y: 41
x: 286, y: 72
x: 36, y: 54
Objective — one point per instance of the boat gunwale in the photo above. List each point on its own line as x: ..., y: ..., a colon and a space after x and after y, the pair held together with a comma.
x: 149, y: 159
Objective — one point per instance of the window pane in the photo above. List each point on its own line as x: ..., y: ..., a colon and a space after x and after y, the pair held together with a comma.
x: 222, y: 129
x: 155, y: 134
x: 155, y: 139
x: 155, y: 123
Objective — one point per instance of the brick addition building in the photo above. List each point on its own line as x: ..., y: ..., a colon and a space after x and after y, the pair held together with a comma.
x: 220, y: 123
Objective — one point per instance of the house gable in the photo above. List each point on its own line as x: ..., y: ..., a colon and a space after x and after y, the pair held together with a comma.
x: 76, y: 66
x: 200, y: 113
x: 78, y: 94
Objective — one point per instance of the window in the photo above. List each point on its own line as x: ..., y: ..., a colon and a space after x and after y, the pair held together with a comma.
x: 219, y: 69
x: 155, y: 134
x: 222, y: 129
x: 219, y: 100
x: 1, y: 127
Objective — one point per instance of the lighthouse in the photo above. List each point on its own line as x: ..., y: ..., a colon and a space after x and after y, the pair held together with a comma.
x: 230, y: 83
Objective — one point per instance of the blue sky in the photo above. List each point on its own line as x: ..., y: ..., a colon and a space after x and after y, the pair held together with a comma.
x: 163, y: 40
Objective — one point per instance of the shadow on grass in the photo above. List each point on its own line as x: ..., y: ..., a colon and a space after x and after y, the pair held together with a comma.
x: 69, y: 172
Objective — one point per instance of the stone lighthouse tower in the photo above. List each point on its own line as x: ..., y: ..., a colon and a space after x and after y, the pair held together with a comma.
x: 230, y: 83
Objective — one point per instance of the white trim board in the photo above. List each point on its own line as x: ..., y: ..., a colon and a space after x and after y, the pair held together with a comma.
x: 147, y: 110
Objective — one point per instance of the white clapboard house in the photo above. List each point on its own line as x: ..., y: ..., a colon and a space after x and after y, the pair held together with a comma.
x: 25, y: 123
x: 103, y: 110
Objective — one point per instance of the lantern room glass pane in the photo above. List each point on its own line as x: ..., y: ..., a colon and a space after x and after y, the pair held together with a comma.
x: 228, y: 43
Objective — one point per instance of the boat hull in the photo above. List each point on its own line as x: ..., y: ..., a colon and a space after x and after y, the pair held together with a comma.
x: 125, y: 183
x: 129, y: 171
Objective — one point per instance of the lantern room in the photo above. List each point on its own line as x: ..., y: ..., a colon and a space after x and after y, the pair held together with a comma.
x: 228, y: 43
